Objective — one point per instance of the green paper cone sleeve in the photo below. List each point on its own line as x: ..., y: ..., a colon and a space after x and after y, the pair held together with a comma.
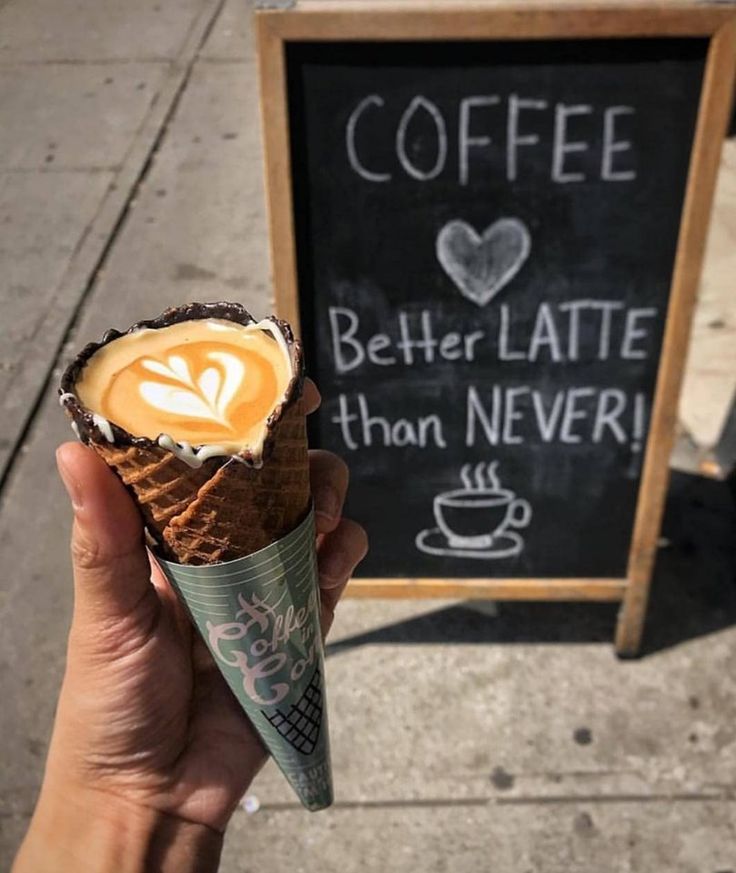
x: 259, y: 617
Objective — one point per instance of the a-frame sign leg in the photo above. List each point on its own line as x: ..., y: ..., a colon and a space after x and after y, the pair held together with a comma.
x: 630, y: 623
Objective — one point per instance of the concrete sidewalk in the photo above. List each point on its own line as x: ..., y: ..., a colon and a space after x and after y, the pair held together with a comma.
x: 130, y: 180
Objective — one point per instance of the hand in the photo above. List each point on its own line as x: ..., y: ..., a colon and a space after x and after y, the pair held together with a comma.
x: 146, y: 728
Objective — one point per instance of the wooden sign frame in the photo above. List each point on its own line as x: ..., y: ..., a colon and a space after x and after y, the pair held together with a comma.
x: 336, y: 20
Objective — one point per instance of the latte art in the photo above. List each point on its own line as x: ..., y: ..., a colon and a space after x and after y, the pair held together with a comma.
x: 203, y: 382
x: 208, y: 397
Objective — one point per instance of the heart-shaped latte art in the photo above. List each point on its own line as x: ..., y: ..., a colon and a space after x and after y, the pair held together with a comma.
x: 481, y: 265
x: 206, y: 396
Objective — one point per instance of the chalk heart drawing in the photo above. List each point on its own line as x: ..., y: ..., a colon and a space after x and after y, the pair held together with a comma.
x: 482, y: 264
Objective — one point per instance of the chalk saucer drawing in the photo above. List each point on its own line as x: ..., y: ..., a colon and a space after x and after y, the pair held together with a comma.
x: 434, y: 542
x: 481, y: 265
x: 475, y: 521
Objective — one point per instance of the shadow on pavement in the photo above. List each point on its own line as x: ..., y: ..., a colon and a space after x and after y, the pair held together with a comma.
x: 694, y: 585
x: 693, y: 590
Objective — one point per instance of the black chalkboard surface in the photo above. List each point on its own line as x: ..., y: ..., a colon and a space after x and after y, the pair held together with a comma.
x: 485, y: 237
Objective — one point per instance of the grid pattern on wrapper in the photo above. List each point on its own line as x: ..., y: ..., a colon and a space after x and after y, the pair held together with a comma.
x: 259, y: 616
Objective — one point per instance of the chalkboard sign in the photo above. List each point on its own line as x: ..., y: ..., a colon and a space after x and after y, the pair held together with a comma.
x: 485, y: 239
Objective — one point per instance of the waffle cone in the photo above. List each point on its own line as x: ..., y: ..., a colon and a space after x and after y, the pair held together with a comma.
x: 241, y: 509
x: 219, y: 511
x: 161, y: 484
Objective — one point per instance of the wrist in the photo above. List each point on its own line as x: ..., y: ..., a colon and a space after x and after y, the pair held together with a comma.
x: 88, y: 831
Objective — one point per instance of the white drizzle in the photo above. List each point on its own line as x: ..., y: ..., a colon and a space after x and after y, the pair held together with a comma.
x: 270, y: 327
x: 196, y: 457
x: 63, y: 400
x: 103, y: 426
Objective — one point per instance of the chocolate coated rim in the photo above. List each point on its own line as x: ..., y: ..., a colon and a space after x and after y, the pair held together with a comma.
x: 84, y: 417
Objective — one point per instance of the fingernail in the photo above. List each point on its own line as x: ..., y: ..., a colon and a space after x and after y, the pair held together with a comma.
x: 327, y: 502
x: 73, y: 487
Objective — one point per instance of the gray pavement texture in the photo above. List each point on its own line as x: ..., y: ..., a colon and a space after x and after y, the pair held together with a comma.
x: 464, y: 738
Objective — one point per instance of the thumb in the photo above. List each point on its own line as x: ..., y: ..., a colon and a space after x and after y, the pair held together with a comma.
x: 111, y: 569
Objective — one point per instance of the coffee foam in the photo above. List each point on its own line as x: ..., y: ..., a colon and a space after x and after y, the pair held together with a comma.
x: 200, y: 388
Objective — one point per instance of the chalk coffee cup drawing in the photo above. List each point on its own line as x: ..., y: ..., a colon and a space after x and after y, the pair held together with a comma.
x: 477, y: 520
x: 474, y: 519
